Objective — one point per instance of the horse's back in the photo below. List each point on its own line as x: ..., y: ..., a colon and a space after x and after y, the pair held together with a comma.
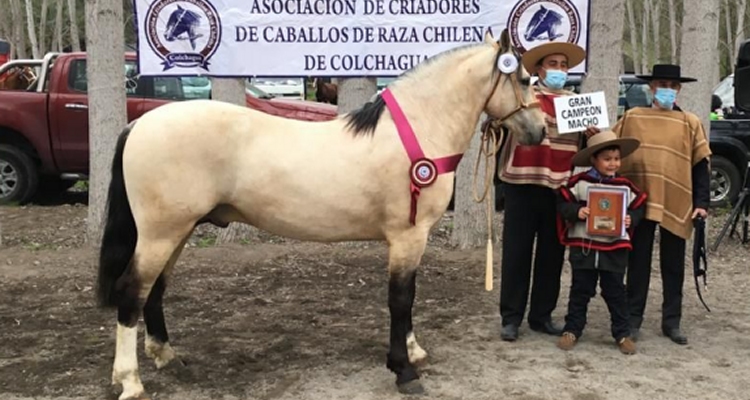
x: 276, y: 172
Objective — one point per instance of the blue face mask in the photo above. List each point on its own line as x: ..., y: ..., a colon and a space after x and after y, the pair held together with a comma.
x: 665, y: 97
x: 555, y: 79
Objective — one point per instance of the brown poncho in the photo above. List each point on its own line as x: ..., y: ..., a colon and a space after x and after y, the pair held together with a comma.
x: 672, y: 142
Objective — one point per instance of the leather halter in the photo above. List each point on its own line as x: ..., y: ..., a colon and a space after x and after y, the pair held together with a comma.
x: 424, y: 171
x: 521, y: 103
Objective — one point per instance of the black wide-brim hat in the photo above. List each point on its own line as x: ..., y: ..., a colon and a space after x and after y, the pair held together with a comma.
x: 666, y: 71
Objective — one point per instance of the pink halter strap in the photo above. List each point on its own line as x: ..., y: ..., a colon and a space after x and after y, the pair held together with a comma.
x: 423, y: 171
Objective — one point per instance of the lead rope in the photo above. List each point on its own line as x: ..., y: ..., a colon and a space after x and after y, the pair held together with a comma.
x: 489, y: 147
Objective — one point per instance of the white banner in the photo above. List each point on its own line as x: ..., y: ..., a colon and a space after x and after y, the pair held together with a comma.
x: 336, y: 37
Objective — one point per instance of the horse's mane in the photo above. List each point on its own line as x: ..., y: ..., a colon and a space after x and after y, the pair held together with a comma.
x: 364, y: 120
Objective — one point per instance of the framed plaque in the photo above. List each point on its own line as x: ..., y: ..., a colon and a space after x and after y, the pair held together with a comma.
x: 609, y: 206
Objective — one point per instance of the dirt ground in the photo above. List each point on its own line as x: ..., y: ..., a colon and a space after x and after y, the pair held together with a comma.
x: 278, y: 319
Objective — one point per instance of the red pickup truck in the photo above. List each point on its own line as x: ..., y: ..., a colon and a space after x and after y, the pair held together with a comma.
x: 44, y: 131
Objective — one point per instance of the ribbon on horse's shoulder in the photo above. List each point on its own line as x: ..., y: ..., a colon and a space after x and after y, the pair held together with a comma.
x: 700, y: 263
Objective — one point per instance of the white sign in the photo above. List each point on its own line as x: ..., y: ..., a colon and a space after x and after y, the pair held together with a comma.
x: 576, y: 113
x: 336, y: 37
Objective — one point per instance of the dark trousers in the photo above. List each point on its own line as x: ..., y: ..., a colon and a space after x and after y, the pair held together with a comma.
x: 672, y: 256
x: 530, y: 213
x: 583, y: 289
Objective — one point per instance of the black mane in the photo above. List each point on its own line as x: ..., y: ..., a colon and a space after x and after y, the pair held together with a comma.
x: 364, y: 120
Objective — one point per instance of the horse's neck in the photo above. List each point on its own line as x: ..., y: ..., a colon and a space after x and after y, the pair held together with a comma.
x: 444, y: 101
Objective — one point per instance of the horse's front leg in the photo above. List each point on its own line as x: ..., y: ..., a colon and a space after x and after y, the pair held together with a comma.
x: 404, y: 257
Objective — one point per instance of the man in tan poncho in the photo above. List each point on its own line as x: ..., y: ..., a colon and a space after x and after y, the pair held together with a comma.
x: 672, y: 167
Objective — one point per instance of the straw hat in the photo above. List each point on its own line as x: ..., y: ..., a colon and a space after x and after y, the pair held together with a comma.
x: 576, y: 54
x: 601, y: 140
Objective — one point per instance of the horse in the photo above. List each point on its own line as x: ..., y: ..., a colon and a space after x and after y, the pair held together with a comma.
x: 543, y: 21
x: 17, y: 78
x: 183, y: 21
x: 347, y: 179
x: 326, y: 92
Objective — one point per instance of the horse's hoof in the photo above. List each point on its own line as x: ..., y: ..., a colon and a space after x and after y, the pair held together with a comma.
x: 411, y: 388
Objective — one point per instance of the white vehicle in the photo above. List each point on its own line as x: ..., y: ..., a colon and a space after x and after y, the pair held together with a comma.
x: 725, y: 91
x: 282, y: 87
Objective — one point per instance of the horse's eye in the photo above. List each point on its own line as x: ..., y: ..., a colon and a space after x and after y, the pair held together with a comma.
x: 526, y: 81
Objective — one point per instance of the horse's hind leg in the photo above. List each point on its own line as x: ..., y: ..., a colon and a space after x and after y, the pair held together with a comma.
x: 156, y: 341
x: 150, y: 258
x: 404, y: 257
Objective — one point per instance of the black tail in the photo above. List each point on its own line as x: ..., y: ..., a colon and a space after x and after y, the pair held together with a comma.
x: 120, y: 233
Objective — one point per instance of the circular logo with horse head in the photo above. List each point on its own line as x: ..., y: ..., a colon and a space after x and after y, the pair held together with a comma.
x: 533, y: 22
x: 183, y: 33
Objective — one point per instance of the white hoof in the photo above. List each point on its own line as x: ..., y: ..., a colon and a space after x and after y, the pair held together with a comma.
x: 132, y: 392
x: 417, y: 355
x: 162, y: 353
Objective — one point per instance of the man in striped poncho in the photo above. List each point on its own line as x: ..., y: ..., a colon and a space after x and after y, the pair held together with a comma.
x: 532, y: 174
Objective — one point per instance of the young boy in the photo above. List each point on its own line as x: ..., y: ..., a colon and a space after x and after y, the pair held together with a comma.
x: 596, y: 257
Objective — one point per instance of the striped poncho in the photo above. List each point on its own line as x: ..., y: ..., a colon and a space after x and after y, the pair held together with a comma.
x: 672, y: 142
x: 547, y: 164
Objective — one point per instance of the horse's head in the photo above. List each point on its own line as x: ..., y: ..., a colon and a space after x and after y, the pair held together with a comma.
x: 180, y: 21
x: 543, y: 21
x: 511, y: 101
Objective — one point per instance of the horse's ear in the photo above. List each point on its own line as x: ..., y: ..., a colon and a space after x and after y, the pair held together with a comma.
x: 505, y: 41
x: 179, y: 8
x: 488, y: 38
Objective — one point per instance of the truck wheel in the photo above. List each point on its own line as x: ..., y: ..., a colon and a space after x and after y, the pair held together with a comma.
x: 18, y: 176
x: 725, y: 182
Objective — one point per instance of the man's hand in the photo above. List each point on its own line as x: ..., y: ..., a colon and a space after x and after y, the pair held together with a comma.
x: 591, y: 131
x: 583, y: 212
x: 627, y: 221
x: 699, y: 211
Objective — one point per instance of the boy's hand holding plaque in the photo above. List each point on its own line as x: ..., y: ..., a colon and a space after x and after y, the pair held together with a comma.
x: 608, y: 207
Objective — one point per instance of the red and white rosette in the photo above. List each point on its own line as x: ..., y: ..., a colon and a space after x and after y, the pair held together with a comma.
x: 423, y: 172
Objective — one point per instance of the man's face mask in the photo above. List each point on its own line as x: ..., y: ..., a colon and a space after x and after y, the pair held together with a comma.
x: 555, y: 78
x: 665, y: 97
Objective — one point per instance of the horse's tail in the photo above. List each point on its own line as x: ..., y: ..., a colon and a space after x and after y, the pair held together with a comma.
x: 120, y: 233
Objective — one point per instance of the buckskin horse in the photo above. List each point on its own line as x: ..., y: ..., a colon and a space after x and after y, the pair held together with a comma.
x: 383, y: 172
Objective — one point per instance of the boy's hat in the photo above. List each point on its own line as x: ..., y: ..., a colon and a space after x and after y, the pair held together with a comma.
x: 575, y: 54
x: 601, y: 140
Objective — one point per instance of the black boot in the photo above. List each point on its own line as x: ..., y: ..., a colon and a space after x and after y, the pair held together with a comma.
x: 509, y: 333
x: 675, y: 335
x: 548, y: 327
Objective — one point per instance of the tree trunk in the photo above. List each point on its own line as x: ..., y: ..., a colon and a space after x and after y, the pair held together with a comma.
x: 106, y: 101
x: 673, y: 30
x: 470, y: 217
x: 232, y: 91
x: 633, y: 37
x: 700, y: 34
x: 355, y: 92
x: 31, y: 29
x: 656, y: 23
x: 75, y: 41
x: 43, y: 28
x: 729, y: 32
x: 605, y: 46
x: 19, y: 37
x: 739, y: 35
x: 645, y: 37
x: 57, y: 36
x: 6, y: 27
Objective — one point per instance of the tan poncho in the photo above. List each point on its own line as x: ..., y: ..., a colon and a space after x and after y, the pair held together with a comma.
x: 672, y: 142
